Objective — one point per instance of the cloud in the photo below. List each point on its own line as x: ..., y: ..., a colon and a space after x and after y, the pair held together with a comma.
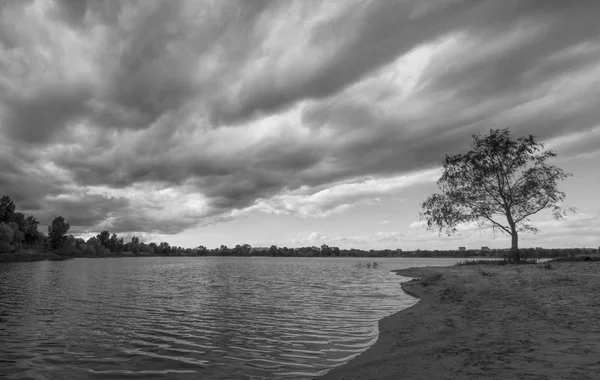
x: 378, y: 240
x: 553, y: 234
x: 584, y: 225
x: 84, y: 210
x: 160, y: 116
x: 41, y: 117
x: 419, y: 224
x: 577, y: 143
x: 336, y: 198
x: 72, y: 12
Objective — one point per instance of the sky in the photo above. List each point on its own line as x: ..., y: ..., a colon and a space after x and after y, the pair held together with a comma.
x: 294, y: 123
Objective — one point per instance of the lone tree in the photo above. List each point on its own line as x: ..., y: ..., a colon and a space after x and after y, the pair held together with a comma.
x: 501, y: 182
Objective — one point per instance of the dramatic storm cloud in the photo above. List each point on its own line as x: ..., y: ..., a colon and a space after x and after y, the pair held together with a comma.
x: 165, y: 117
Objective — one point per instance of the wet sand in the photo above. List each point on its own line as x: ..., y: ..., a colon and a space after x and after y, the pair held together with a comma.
x: 507, y: 322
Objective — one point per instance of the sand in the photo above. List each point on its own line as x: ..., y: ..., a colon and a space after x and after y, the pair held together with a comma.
x: 509, y: 322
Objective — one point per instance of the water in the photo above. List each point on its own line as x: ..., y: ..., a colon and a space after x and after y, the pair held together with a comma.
x: 193, y: 317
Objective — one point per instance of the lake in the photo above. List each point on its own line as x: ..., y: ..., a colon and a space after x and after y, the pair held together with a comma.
x: 193, y: 317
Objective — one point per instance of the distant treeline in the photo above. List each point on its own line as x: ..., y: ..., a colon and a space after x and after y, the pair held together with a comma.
x: 94, y: 247
x: 19, y: 234
x: 326, y: 251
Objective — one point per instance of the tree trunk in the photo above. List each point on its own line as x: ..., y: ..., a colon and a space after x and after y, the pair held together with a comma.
x: 514, y: 248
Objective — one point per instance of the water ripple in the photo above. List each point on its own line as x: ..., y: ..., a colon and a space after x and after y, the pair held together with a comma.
x: 189, y: 318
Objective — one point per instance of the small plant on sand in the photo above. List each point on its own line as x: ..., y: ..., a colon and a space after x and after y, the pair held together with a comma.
x: 486, y: 273
x: 522, y: 261
x: 431, y: 279
x: 478, y: 262
x: 548, y: 265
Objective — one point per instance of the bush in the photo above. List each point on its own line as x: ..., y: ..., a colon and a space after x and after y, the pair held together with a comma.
x: 486, y: 273
x: 69, y: 250
x: 28, y: 251
x: 88, y: 250
x: 431, y: 279
x: 101, y: 251
x: 548, y: 265
x: 6, y: 237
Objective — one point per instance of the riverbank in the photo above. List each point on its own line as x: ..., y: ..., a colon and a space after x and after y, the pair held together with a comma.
x: 490, y: 322
x: 28, y: 257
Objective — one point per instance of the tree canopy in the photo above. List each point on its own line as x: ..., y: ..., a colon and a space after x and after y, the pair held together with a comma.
x: 57, y: 232
x: 7, y: 209
x: 500, y: 182
x: 16, y: 229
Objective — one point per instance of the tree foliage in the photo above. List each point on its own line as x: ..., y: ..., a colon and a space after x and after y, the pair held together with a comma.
x: 57, y: 232
x: 6, y: 237
x: 104, y: 239
x: 7, y: 209
x: 501, y: 182
x: 32, y: 235
x: 23, y: 229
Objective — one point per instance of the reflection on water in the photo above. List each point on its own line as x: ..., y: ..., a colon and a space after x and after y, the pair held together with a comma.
x: 190, y: 318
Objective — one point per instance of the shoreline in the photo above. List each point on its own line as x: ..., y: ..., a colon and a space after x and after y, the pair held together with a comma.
x: 489, y: 322
x: 30, y: 257
x: 33, y: 257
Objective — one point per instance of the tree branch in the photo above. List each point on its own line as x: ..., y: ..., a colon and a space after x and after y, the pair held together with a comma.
x: 533, y: 212
x: 497, y: 224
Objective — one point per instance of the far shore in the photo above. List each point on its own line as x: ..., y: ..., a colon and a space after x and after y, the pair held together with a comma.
x: 489, y: 322
x: 41, y: 256
x: 30, y: 257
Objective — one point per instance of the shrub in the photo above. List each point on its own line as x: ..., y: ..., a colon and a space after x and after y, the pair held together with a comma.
x: 486, y: 273
x: 101, y: 251
x: 6, y: 237
x: 88, y: 250
x: 431, y: 279
x: 548, y: 265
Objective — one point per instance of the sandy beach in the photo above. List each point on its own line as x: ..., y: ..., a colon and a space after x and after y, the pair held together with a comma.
x: 490, y: 322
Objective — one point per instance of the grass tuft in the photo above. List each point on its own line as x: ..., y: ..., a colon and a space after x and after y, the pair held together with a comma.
x: 431, y: 279
x: 479, y: 262
x: 576, y: 259
x: 505, y: 261
x: 486, y: 273
x: 548, y: 265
